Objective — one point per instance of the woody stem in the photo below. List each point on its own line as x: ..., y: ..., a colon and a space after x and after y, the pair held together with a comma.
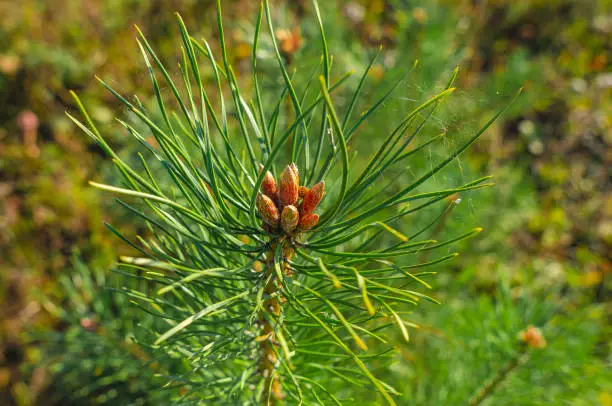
x: 268, y: 319
x: 489, y: 388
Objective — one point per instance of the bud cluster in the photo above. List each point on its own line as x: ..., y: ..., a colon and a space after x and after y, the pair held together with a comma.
x: 287, y: 205
x: 532, y: 337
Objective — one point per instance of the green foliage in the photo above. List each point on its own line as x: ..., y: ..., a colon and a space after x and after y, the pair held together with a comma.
x: 296, y: 330
x: 547, y: 222
x: 471, y: 341
x: 93, y: 359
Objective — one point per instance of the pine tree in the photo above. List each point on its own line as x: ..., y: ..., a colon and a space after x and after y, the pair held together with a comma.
x: 264, y: 245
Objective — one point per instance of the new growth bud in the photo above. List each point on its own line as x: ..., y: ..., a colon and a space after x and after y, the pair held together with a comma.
x: 289, y: 185
x: 308, y: 221
x: 268, y: 186
x: 532, y: 337
x: 267, y: 209
x: 313, y: 198
x: 278, y: 203
x: 289, y: 219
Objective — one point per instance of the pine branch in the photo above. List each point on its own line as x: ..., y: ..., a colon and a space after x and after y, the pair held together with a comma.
x: 267, y: 290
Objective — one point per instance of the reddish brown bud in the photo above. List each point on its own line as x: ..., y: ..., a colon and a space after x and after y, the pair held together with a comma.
x: 308, y: 221
x: 288, y: 190
x: 303, y: 191
x: 268, y: 186
x: 289, y: 219
x: 290, y: 41
x: 533, y: 337
x: 267, y: 209
x: 312, y: 199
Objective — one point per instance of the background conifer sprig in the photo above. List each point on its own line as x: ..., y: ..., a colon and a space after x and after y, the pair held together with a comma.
x: 93, y: 358
x: 261, y: 314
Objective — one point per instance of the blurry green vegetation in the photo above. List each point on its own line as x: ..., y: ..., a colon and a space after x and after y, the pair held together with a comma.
x: 548, y: 222
x: 94, y: 339
x: 452, y: 359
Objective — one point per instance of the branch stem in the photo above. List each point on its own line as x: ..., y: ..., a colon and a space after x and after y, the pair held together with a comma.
x: 489, y: 387
x: 270, y: 320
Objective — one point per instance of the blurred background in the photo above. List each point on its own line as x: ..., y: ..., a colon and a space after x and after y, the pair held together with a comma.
x: 543, y: 258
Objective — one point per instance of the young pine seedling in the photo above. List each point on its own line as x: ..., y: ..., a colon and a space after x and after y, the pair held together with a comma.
x: 271, y: 289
